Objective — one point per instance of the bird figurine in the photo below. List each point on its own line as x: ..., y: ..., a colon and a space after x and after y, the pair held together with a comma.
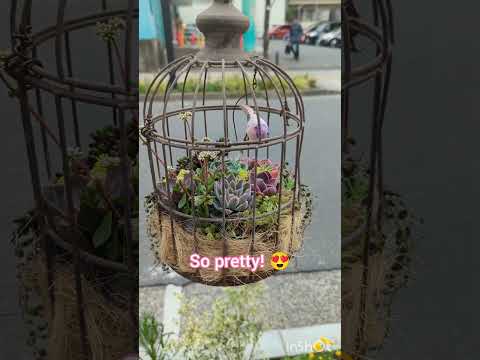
x: 257, y: 129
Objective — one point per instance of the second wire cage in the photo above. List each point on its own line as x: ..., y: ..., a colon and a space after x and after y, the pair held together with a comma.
x: 225, y: 168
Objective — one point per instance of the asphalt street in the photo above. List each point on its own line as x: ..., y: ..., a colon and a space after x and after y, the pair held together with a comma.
x: 320, y: 170
x: 311, y: 57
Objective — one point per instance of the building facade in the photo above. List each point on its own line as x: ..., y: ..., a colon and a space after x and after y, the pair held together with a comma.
x: 189, y: 10
x: 312, y: 11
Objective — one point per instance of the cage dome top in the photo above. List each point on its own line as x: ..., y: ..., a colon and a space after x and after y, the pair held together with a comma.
x: 223, y: 25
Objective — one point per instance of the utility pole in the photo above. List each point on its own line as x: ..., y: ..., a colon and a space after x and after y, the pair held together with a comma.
x: 266, y: 39
x: 167, y: 25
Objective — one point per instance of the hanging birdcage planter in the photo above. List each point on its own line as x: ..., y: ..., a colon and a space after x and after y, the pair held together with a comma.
x: 77, y: 248
x: 225, y: 169
x: 376, y: 224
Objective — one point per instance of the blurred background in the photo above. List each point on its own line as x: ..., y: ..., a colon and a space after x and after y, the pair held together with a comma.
x: 168, y: 30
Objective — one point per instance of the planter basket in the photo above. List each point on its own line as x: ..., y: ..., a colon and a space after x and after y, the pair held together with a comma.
x: 175, y: 250
x: 254, y: 135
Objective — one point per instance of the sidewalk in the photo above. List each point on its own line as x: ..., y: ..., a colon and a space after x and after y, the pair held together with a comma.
x: 302, y: 307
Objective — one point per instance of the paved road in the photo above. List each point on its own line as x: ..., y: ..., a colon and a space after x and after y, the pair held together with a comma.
x: 311, y: 57
x: 321, y: 170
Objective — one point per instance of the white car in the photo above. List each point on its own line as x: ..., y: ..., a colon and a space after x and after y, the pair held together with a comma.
x: 327, y: 38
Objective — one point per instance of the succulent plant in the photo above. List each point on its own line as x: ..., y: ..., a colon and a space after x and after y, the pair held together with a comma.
x: 238, y: 195
x: 265, y: 184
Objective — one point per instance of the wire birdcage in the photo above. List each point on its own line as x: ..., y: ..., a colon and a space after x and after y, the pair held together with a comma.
x: 52, y: 88
x: 368, y: 34
x: 190, y: 132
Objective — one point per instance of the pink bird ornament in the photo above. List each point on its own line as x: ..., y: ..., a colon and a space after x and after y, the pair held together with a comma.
x: 257, y: 129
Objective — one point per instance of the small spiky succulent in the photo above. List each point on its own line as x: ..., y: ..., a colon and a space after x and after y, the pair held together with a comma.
x: 238, y: 195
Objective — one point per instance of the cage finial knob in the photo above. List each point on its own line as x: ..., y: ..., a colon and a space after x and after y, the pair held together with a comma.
x: 223, y: 25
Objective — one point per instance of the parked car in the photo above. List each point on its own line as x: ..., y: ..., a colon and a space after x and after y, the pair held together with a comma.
x: 279, y: 32
x: 336, y: 41
x: 312, y: 37
x: 330, y: 38
x: 309, y: 29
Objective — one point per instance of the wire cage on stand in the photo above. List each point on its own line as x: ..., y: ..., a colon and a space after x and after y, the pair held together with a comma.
x: 368, y: 34
x: 220, y: 190
x: 83, y: 257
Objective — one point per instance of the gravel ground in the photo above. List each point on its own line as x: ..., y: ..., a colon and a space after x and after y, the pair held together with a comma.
x: 151, y: 301
x: 292, y: 300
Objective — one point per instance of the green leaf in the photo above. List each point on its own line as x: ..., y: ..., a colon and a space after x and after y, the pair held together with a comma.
x: 103, y: 232
x: 199, y: 200
x: 202, y: 189
x: 182, y: 202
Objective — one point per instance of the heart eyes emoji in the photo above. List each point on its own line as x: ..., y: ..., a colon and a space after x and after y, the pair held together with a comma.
x: 280, y: 261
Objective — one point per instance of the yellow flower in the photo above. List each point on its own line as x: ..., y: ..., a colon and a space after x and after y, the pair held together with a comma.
x: 311, y: 356
x: 243, y: 174
x: 318, y: 347
x: 181, y: 175
x: 326, y: 341
x: 342, y: 355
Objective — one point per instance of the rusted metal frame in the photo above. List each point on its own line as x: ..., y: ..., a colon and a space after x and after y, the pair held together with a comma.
x: 172, y: 83
x: 219, y: 220
x: 281, y: 82
x: 296, y: 190
x: 301, y: 105
x: 133, y: 270
x: 295, y: 92
x: 59, y: 32
x: 374, y: 186
x: 289, y: 81
x: 73, y: 227
x: 282, y: 161
x: 46, y: 151
x: 154, y: 87
x: 68, y: 54
x: 387, y: 37
x: 160, y: 138
x: 64, y: 83
x: 254, y: 203
x: 362, y: 71
x: 127, y: 200
x: 391, y: 27
x: 185, y: 126
x: 80, y: 97
x: 169, y: 194
x: 128, y: 46
x: 267, y: 98
x: 35, y: 180
x: 192, y: 183
x: 161, y: 77
x: 111, y: 71
x: 13, y: 22
x: 223, y: 154
x: 80, y: 23
x: 203, y: 101
x: 230, y: 148
x: 167, y: 94
x: 26, y: 111
x: 166, y: 98
x: 85, y: 256
x: 347, y: 64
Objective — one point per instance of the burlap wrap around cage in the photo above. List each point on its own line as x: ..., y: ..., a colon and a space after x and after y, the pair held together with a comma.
x: 222, y: 112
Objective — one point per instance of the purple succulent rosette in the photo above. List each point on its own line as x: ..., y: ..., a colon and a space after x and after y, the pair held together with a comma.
x: 238, y: 195
x: 265, y: 184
